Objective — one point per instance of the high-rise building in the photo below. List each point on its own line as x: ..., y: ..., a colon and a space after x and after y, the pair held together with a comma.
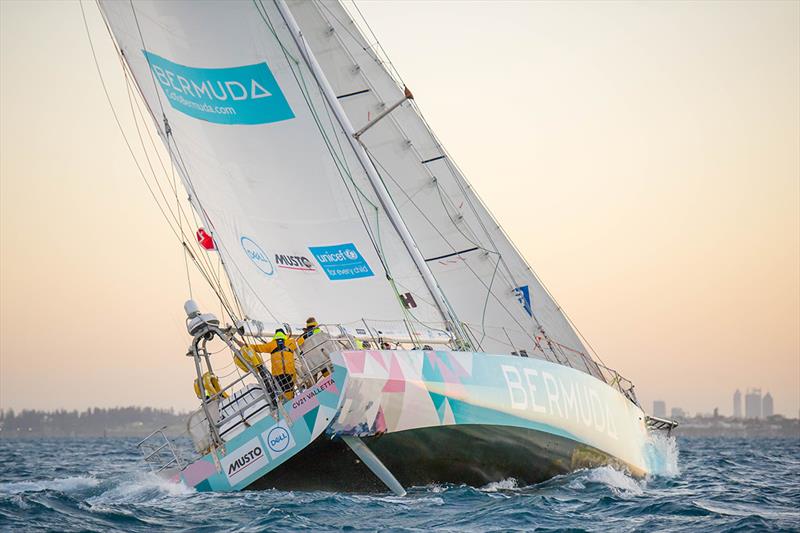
x: 677, y: 412
x: 737, y: 404
x: 660, y: 409
x: 752, y: 404
x: 767, y: 408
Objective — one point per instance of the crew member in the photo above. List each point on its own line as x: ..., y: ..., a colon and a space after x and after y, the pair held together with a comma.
x: 280, y: 339
x: 282, y: 360
x: 312, y: 327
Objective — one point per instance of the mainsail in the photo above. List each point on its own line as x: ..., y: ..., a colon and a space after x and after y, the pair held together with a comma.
x: 489, y: 284
x: 290, y: 206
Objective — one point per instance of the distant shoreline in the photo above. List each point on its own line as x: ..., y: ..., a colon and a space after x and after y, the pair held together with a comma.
x: 131, y: 422
x: 93, y: 422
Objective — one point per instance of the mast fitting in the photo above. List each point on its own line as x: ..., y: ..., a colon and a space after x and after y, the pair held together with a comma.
x: 407, y: 95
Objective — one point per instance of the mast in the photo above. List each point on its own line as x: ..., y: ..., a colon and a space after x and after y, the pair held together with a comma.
x: 377, y: 184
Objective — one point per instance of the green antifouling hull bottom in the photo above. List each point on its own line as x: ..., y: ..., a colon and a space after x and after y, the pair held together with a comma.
x: 471, y: 454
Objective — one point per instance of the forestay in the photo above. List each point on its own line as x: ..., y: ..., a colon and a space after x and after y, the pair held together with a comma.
x: 265, y: 166
x: 488, y: 283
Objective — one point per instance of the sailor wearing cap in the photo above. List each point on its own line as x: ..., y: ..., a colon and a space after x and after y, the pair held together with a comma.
x: 312, y: 327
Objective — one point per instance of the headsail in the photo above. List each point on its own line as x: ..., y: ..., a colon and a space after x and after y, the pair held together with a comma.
x: 490, y: 285
x: 290, y: 211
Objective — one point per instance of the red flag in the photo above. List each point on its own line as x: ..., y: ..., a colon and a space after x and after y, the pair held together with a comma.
x: 205, y: 240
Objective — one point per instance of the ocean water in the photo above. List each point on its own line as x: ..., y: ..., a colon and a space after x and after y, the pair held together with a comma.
x: 703, y: 484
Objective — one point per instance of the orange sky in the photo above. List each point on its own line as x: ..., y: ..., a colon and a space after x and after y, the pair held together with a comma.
x: 657, y: 145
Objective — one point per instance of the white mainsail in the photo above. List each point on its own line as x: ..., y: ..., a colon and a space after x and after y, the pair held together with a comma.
x: 298, y: 227
x: 488, y: 283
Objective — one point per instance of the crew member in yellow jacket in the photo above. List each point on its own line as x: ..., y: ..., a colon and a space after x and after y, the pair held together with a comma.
x: 282, y: 361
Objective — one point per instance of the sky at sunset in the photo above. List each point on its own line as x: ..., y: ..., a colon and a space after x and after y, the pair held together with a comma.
x: 644, y: 157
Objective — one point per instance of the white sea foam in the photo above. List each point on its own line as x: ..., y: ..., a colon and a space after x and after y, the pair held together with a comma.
x: 662, y: 455
x: 66, y: 484
x: 576, y: 484
x: 141, y: 488
x: 505, y: 484
x: 413, y: 501
x: 619, y: 482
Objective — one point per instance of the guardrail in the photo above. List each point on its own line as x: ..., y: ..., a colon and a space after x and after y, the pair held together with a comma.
x: 153, y: 452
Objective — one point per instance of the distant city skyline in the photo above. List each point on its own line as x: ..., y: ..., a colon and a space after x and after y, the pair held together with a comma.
x: 752, y: 403
x: 767, y: 406
x: 756, y: 406
x: 737, y: 404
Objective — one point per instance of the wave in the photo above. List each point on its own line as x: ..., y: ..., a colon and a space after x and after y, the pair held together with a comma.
x: 66, y: 484
x: 619, y: 482
x: 724, y: 485
x: 505, y: 484
x: 140, y: 488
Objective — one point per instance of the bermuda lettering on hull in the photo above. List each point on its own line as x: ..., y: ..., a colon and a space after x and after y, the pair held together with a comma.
x: 543, y: 392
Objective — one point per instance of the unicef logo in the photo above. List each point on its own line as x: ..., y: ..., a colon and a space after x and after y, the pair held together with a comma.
x: 258, y: 256
x: 352, y: 255
x: 278, y: 439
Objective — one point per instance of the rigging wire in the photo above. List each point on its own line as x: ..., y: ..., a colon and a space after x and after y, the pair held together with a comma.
x: 486, y: 300
x: 167, y: 135
x: 119, y: 124
x: 456, y: 175
x: 370, y: 48
x: 465, y: 262
x: 386, y: 57
x: 128, y: 144
x: 340, y: 163
x: 158, y: 185
x: 399, y: 79
x: 181, y: 215
x: 344, y: 163
x: 369, y: 83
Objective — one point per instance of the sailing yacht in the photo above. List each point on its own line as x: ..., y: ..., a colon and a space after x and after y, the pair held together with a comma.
x: 322, y: 191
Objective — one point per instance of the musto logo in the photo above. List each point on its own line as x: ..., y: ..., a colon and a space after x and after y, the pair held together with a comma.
x: 258, y: 256
x: 247, y: 94
x: 244, y: 461
x: 294, y: 262
x: 279, y: 439
x: 341, y: 261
